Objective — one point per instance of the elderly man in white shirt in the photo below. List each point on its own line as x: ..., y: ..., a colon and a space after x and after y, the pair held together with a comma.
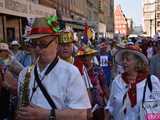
x: 63, y: 82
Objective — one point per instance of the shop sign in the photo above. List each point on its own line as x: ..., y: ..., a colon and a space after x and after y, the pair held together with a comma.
x: 75, y: 26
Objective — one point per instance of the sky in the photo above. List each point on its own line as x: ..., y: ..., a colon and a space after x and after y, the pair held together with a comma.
x: 132, y: 9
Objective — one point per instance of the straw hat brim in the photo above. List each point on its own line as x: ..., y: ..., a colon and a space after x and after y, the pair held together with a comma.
x: 118, y: 55
x: 93, y: 52
x: 7, y: 50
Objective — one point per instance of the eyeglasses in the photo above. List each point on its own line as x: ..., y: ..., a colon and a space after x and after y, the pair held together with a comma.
x: 35, y: 44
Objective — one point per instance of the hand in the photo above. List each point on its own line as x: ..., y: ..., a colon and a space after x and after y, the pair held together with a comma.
x: 89, y: 114
x: 2, y: 66
x: 2, y: 77
x: 108, y: 115
x: 9, y: 82
x: 32, y: 112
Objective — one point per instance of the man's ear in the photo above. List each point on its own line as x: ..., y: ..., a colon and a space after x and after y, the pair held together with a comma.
x: 57, y: 43
x: 56, y: 40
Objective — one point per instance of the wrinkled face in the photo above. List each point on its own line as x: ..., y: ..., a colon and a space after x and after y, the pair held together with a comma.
x: 129, y: 62
x: 45, y: 47
x: 65, y: 50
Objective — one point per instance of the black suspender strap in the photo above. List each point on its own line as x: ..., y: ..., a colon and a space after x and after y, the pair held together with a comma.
x: 51, y: 66
x: 149, y: 83
x: 42, y: 88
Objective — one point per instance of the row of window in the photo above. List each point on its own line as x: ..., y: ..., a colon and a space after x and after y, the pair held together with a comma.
x: 121, y: 31
x: 149, y: 1
x: 120, y: 26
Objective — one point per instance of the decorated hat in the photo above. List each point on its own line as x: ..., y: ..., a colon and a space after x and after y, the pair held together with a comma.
x: 66, y: 37
x: 44, y: 26
x: 133, y: 49
x: 86, y: 50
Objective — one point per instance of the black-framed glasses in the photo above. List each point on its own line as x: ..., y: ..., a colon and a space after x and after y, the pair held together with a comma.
x: 35, y: 44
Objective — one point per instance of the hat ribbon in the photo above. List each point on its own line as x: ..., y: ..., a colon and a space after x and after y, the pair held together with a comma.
x: 41, y: 30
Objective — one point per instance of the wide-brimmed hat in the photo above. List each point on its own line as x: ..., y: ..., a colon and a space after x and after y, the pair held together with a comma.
x: 86, y: 50
x: 66, y: 37
x: 44, y: 26
x: 5, y: 47
x: 133, y: 49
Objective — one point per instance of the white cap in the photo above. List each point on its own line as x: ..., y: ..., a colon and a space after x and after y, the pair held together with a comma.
x: 15, y: 43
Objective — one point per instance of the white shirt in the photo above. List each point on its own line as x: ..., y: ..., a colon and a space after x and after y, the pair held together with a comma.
x: 64, y: 84
x: 150, y: 52
x: 119, y: 89
x: 86, y: 78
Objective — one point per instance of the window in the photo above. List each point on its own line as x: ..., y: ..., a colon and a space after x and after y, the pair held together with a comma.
x: 158, y: 15
x: 158, y: 23
x: 10, y: 34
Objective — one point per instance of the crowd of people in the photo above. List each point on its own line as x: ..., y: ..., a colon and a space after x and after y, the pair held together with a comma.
x: 52, y: 76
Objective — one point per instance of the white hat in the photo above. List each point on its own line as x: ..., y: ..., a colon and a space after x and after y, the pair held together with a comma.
x: 4, y: 46
x: 130, y: 43
x: 15, y: 42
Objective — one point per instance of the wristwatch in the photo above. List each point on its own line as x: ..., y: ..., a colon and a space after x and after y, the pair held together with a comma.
x: 52, y: 115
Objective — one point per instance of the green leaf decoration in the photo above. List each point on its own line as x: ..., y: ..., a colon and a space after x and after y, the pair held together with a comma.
x: 52, y: 21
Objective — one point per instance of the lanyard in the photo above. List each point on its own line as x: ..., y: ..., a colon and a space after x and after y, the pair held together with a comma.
x: 50, y: 67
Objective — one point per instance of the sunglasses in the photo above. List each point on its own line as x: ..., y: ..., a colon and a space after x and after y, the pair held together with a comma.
x: 35, y: 44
